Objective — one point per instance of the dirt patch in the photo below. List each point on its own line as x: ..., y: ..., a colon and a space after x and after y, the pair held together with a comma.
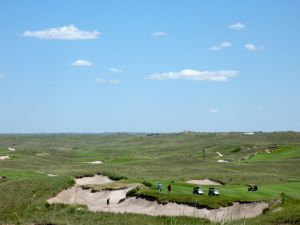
x: 95, y: 162
x: 12, y: 149
x: 118, y: 203
x: 4, y: 157
x: 203, y: 182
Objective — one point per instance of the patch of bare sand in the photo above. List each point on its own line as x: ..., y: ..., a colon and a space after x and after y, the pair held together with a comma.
x: 97, y: 179
x: 119, y: 204
x: 219, y: 155
x: 12, y: 149
x: 95, y: 162
x: 4, y: 157
x: 43, y: 154
x: 222, y: 161
x: 203, y: 182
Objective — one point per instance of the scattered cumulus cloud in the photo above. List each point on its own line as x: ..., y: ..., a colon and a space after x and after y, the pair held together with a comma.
x: 225, y: 44
x: 70, y: 32
x: 237, y: 26
x: 213, y: 110
x: 82, y: 62
x: 103, y: 81
x: 188, y: 74
x: 115, y: 70
x: 252, y: 47
x: 159, y: 33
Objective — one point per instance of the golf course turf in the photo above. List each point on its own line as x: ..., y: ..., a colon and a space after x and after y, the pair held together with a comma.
x: 142, y: 158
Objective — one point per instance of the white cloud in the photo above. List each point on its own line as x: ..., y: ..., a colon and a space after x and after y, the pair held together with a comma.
x: 1, y: 76
x: 82, y: 62
x: 221, y: 46
x: 115, y: 70
x: 70, y: 32
x: 252, y: 47
x: 159, y: 33
x: 213, y: 110
x: 237, y: 26
x: 103, y: 81
x: 188, y: 74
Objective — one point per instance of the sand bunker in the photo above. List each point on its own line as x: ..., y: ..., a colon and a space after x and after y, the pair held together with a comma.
x: 203, y: 182
x: 12, y: 149
x: 96, y: 201
x: 51, y: 175
x: 219, y: 155
x: 95, y: 162
x: 48, y: 174
x: 222, y: 161
x: 4, y: 157
x: 97, y: 179
x: 43, y: 154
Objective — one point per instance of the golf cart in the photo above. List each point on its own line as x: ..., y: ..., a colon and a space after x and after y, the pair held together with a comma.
x: 198, y: 191
x: 213, y: 191
x: 252, y: 187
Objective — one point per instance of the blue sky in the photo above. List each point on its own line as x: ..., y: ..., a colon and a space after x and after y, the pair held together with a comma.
x: 149, y: 66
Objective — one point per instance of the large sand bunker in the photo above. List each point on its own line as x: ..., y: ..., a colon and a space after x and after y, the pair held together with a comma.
x: 203, y: 182
x: 97, y: 201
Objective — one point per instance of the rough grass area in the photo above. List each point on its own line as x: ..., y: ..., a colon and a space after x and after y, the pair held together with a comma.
x: 149, y: 159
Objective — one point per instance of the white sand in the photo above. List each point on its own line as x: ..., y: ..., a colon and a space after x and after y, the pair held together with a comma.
x: 12, y: 149
x: 43, y: 154
x: 203, y: 182
x: 219, y: 155
x: 95, y: 162
x: 52, y: 175
x: 4, y: 157
x: 97, y: 202
x: 222, y: 161
x: 97, y: 179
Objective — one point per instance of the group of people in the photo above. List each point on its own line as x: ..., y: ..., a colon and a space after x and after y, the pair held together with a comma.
x: 160, y: 187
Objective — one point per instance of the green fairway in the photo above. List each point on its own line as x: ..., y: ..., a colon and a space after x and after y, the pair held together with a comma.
x: 282, y: 153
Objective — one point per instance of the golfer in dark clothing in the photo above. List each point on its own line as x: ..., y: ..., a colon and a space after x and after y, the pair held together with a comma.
x: 107, y: 201
x: 169, y: 188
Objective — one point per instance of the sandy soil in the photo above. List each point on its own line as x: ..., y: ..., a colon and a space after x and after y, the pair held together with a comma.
x: 203, y: 182
x: 95, y: 162
x: 97, y: 202
x: 4, y: 157
x: 12, y: 149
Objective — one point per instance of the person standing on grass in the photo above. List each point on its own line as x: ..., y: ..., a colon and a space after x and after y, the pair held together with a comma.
x: 169, y: 188
x: 159, y: 187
